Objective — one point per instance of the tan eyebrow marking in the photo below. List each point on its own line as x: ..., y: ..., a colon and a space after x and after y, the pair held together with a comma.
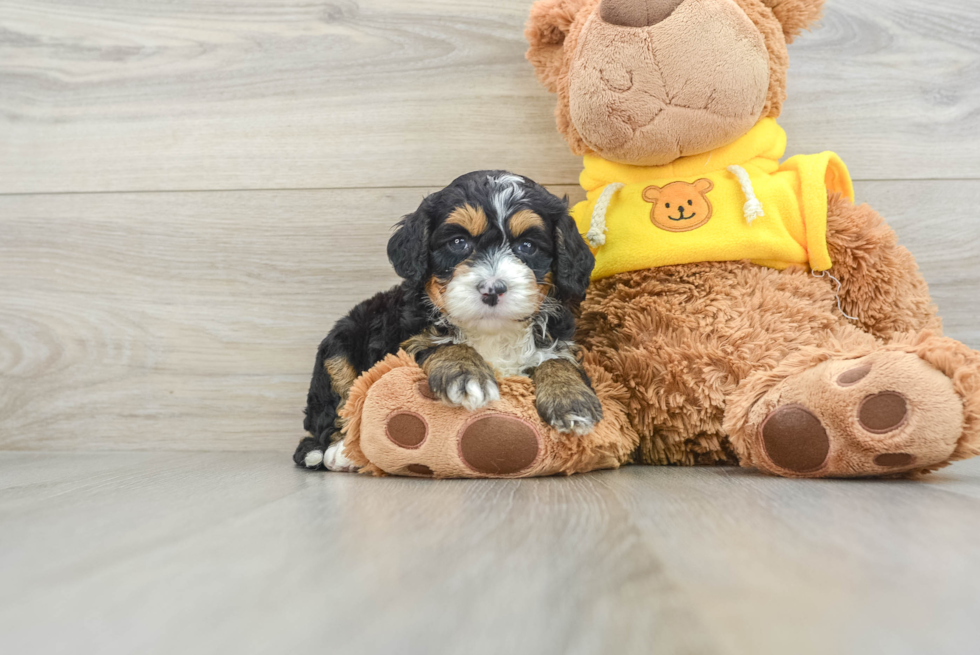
x: 523, y: 221
x: 472, y: 219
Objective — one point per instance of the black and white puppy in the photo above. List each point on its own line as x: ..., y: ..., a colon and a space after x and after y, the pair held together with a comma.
x: 493, y: 269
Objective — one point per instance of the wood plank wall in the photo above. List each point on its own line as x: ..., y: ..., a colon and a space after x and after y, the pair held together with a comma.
x: 191, y: 193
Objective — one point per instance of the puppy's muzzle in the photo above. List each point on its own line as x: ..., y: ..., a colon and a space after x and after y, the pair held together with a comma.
x: 491, y: 290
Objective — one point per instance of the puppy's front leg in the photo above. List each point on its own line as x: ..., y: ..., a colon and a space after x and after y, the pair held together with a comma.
x: 565, y: 398
x: 460, y: 377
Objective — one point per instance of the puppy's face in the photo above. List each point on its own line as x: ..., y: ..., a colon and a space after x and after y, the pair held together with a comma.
x: 487, y: 271
x: 493, y: 247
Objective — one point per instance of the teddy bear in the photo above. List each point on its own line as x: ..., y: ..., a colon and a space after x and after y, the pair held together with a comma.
x: 743, y: 310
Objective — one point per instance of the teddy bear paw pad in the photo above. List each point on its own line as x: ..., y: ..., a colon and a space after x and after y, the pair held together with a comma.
x: 795, y: 439
x: 883, y: 412
x: 497, y: 444
x: 894, y: 460
x: 425, y: 390
x: 419, y: 469
x: 406, y: 429
x: 852, y: 376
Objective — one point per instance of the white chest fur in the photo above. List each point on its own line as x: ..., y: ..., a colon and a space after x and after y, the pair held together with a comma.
x: 510, y: 351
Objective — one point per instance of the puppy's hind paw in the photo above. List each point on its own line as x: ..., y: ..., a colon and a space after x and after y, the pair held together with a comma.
x: 335, y: 460
x: 313, y: 459
x: 309, y: 454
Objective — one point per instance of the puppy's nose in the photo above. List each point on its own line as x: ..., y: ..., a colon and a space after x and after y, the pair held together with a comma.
x: 491, y: 291
x: 637, y: 13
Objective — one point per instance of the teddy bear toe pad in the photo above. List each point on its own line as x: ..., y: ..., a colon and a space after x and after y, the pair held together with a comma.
x: 406, y: 429
x: 883, y: 412
x: 420, y: 470
x: 887, y: 413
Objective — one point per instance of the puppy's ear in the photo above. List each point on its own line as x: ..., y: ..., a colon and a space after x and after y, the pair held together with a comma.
x: 408, y: 247
x: 573, y: 261
x: 795, y: 15
x: 546, y: 29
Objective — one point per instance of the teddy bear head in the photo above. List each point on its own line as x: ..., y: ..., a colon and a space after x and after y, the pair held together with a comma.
x: 645, y: 82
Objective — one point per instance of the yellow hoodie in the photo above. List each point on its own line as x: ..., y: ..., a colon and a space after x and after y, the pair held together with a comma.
x: 730, y: 204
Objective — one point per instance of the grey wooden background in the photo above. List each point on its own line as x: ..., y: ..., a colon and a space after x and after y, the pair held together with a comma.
x: 191, y: 193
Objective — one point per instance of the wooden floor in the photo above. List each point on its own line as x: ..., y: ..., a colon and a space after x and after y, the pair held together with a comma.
x: 239, y: 553
x: 191, y: 193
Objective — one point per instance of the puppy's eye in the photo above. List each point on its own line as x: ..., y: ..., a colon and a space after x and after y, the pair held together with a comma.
x: 667, y: 205
x: 526, y: 248
x: 690, y: 202
x: 459, y: 245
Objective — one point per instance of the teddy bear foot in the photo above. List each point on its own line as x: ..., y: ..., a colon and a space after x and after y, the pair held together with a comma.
x: 399, y: 427
x: 885, y: 414
x: 489, y: 445
x: 407, y: 431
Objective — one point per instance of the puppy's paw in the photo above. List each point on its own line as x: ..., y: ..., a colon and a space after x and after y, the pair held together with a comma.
x: 576, y: 411
x: 469, y: 390
x: 313, y: 459
x: 471, y: 386
x: 309, y: 454
x: 335, y: 460
x: 473, y: 393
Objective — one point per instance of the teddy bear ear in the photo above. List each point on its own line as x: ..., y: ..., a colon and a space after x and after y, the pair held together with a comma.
x: 704, y: 185
x: 546, y: 29
x: 651, y: 194
x: 795, y: 15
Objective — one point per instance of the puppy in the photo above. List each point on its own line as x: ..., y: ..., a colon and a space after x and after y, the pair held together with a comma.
x: 493, y: 269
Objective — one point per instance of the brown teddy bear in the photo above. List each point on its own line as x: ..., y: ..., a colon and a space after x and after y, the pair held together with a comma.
x: 742, y: 310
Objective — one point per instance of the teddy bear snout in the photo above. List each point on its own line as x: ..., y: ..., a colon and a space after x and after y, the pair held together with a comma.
x: 637, y: 13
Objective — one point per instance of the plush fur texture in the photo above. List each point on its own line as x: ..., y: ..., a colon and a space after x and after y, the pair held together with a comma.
x: 881, y: 283
x: 795, y: 15
x: 684, y: 339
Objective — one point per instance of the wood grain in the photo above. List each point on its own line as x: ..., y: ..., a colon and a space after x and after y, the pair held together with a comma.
x: 191, y: 320
x: 892, y: 85
x: 185, y: 320
x: 241, y: 552
x: 117, y: 95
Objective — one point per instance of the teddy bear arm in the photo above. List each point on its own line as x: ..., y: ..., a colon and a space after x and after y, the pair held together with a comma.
x: 396, y: 425
x: 881, y: 285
